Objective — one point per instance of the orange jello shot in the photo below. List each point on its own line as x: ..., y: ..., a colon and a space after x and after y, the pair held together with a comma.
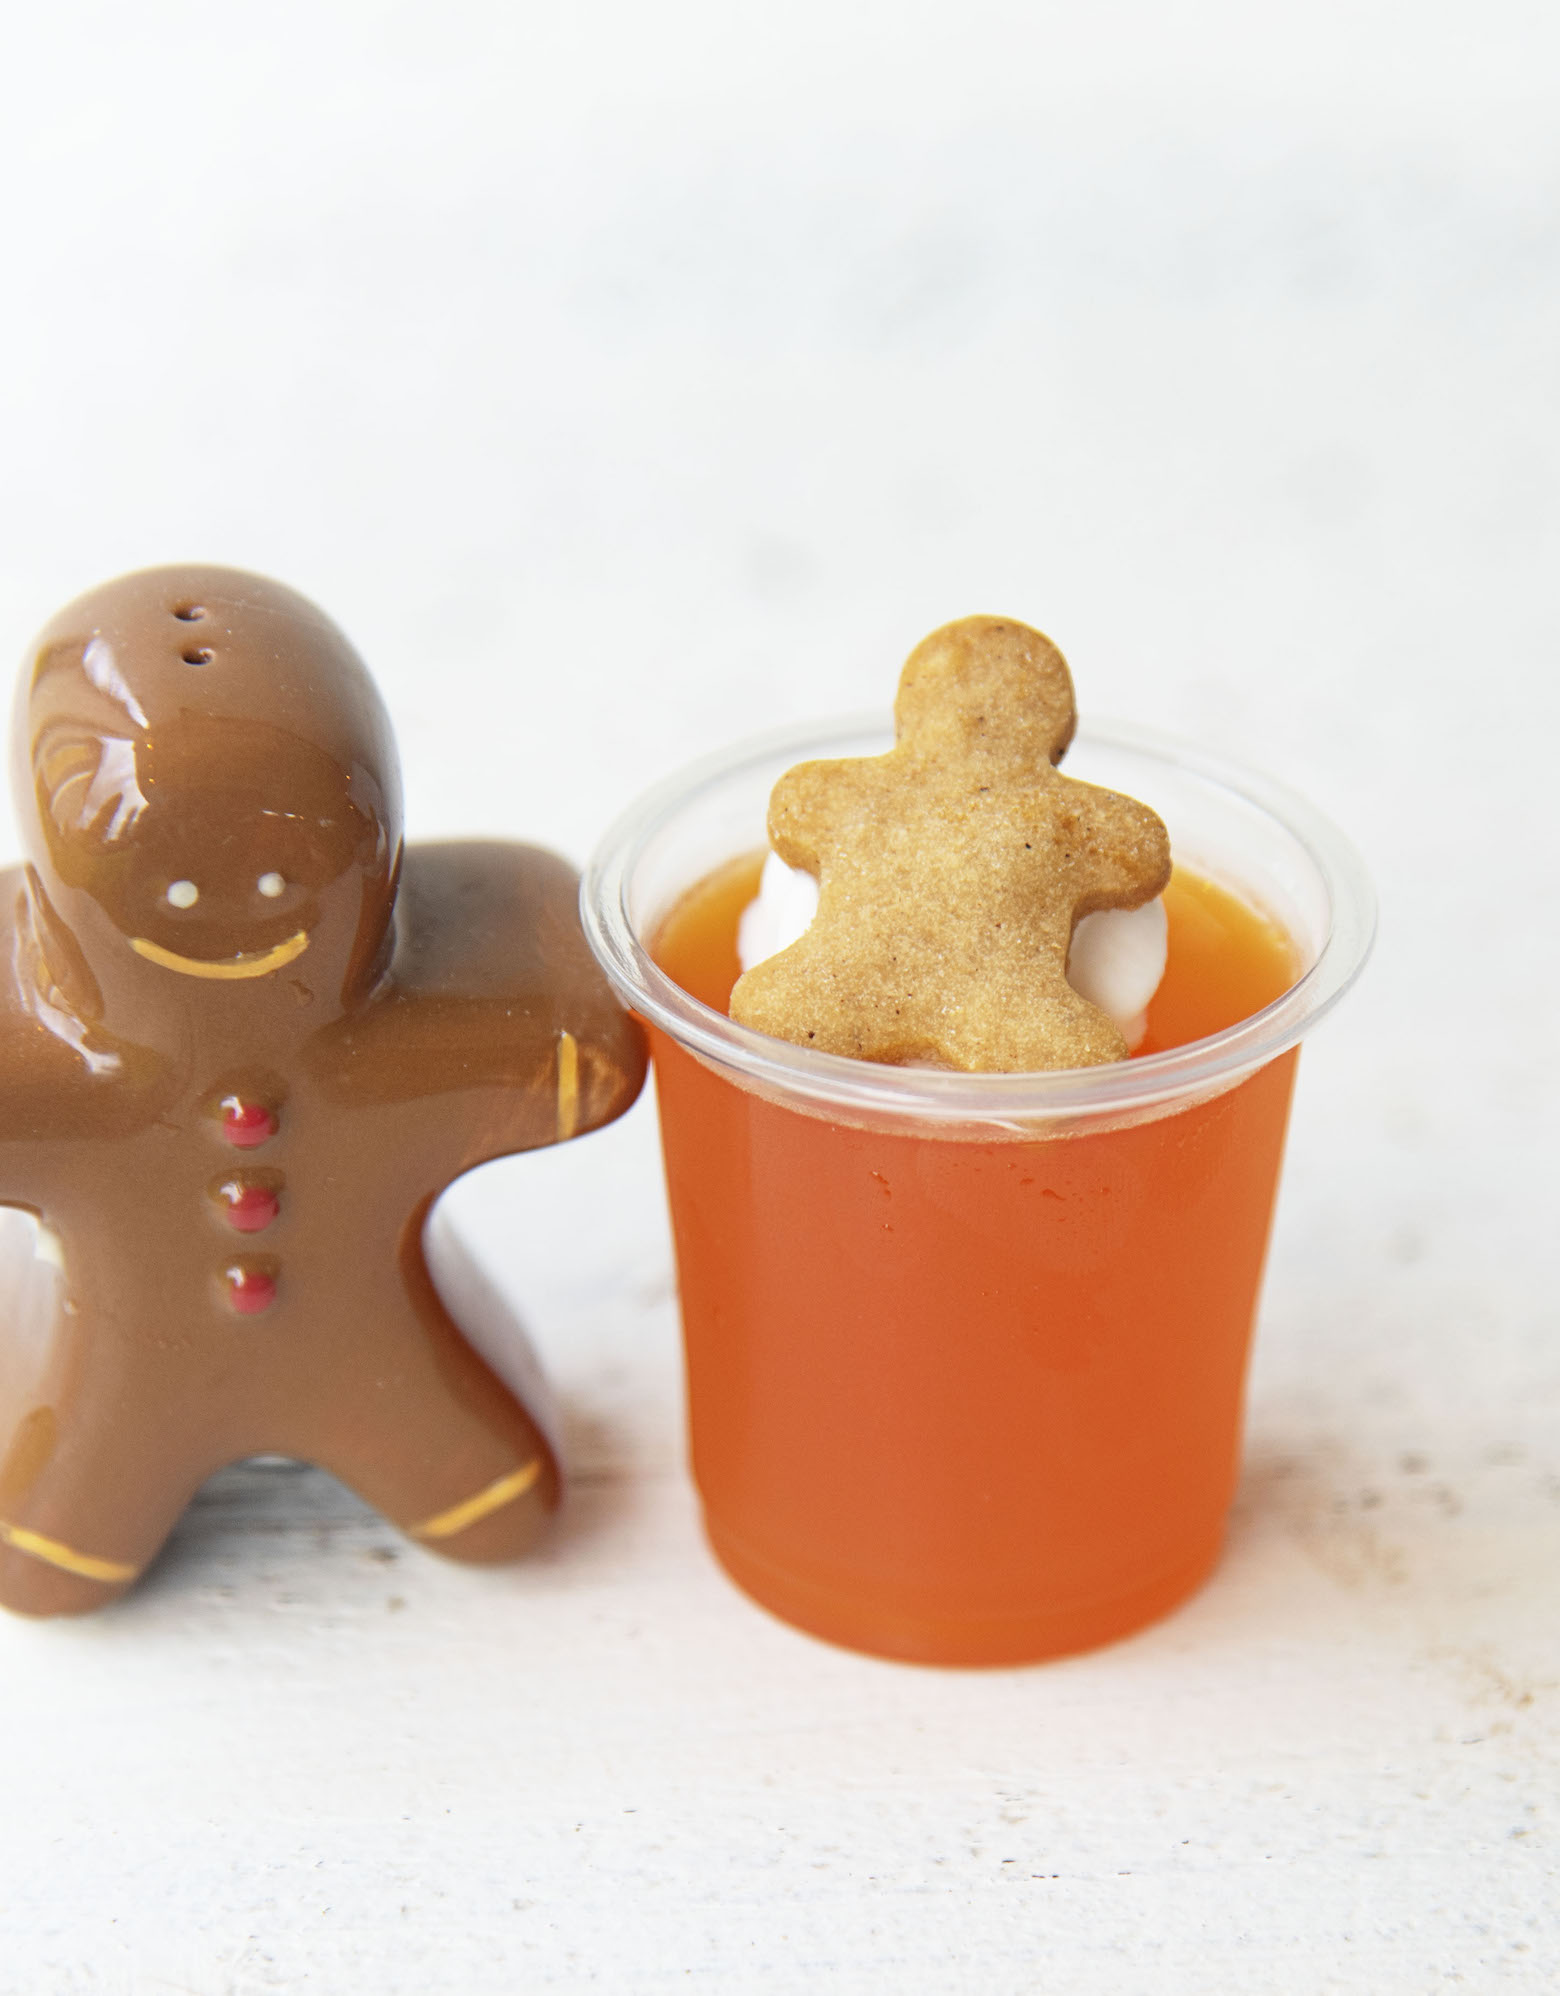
x: 966, y: 1351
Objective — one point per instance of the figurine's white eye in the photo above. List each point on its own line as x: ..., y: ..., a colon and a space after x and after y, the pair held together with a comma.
x: 183, y: 894
x: 270, y: 885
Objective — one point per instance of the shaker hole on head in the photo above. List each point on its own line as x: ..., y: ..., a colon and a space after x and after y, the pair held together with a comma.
x: 199, y: 655
x: 189, y: 613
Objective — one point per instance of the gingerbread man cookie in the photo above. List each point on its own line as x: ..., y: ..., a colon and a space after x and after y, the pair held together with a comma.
x: 246, y: 1039
x: 953, y: 870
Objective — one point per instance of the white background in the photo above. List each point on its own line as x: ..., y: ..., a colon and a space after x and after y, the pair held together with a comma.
x: 626, y: 379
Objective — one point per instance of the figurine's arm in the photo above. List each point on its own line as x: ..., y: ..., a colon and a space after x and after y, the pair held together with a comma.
x: 44, y: 1082
x: 494, y: 997
x: 61, y: 1083
x: 16, y: 1041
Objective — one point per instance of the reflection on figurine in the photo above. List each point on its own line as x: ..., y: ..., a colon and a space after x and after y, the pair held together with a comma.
x: 246, y: 1039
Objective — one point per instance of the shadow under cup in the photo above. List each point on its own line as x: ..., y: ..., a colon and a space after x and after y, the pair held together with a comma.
x: 966, y: 1353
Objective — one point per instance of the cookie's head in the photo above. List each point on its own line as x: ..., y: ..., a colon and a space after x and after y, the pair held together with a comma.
x: 986, y: 687
x: 208, y: 785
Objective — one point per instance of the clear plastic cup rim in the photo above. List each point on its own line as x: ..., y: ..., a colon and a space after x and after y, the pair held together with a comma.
x: 833, y: 1084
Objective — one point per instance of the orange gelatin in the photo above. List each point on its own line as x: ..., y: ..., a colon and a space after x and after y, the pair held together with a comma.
x: 972, y: 1402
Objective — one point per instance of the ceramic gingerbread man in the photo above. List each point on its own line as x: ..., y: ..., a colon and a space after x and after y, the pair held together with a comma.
x: 246, y: 1039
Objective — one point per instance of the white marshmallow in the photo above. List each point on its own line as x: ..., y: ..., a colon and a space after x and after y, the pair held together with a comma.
x: 782, y: 912
x: 1117, y: 960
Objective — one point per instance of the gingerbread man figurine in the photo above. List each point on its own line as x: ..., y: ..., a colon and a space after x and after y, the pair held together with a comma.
x: 246, y: 1039
x: 953, y: 870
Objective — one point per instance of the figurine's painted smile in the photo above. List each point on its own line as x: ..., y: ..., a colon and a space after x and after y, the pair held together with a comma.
x: 255, y: 965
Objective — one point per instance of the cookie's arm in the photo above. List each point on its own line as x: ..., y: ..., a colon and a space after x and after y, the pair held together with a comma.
x: 816, y: 805
x: 494, y: 998
x: 1128, y: 849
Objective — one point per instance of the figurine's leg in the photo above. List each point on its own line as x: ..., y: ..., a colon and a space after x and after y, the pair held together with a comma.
x: 82, y: 1513
x: 433, y: 1439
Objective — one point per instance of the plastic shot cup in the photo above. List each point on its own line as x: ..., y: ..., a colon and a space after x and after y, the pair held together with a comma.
x: 966, y: 1353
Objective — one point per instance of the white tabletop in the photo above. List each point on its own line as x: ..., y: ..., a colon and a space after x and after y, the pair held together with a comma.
x: 626, y: 380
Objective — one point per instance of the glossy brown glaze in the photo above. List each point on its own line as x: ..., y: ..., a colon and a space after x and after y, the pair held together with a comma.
x: 246, y: 1039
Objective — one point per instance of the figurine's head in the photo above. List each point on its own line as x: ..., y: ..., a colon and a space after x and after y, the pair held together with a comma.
x: 208, y: 786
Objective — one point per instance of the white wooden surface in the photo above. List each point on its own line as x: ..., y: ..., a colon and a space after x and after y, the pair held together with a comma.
x: 627, y: 379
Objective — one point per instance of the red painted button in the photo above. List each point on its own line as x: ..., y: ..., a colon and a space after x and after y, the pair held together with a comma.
x: 249, y: 1209
x: 246, y: 1124
x: 250, y: 1290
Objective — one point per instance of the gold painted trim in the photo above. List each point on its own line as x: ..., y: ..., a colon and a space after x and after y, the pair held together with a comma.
x: 233, y: 966
x: 86, y: 1564
x: 568, y: 1086
x: 445, y: 1524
